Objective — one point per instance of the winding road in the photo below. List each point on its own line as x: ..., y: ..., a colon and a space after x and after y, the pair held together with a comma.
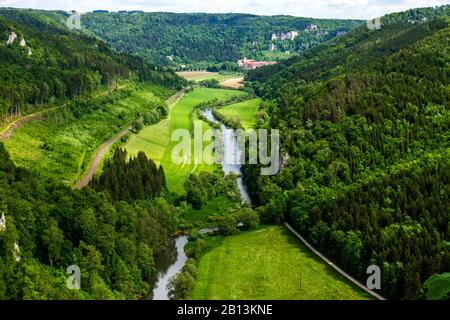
x: 98, y: 158
x: 106, y: 145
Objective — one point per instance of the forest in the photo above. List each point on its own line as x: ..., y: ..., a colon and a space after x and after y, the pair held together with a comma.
x: 364, y: 121
x: 201, y: 40
x: 130, y: 178
x: 49, y: 227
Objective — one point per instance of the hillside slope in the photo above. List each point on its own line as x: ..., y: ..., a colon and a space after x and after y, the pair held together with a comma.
x: 364, y: 121
x: 41, y: 61
x: 209, y: 38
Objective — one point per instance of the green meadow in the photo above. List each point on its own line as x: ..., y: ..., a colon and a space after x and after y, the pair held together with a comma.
x: 216, y: 206
x: 156, y: 142
x: 64, y: 142
x: 437, y: 286
x: 242, y: 112
x: 268, y: 263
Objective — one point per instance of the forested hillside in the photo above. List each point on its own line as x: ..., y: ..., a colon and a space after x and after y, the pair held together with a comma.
x: 41, y: 62
x: 50, y: 227
x: 365, y: 123
x: 209, y: 38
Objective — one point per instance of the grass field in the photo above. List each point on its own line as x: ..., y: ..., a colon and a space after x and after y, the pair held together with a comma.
x: 244, y: 111
x: 155, y: 140
x: 438, y: 286
x: 268, y: 263
x: 215, y: 206
x: 62, y: 146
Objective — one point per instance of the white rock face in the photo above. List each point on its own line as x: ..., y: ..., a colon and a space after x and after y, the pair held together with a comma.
x: 16, y: 252
x: 12, y: 37
x: 2, y: 222
x: 291, y: 35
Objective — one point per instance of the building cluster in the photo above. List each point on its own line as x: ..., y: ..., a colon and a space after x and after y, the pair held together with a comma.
x: 249, y: 64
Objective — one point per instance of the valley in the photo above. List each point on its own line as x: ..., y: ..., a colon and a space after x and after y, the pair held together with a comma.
x: 93, y: 173
x: 156, y: 143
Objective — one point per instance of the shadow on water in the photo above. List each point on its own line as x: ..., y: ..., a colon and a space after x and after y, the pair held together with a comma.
x: 168, y: 264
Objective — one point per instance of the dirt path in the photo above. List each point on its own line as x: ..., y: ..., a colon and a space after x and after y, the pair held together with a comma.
x: 98, y: 158
x: 331, y: 264
x: 105, y: 147
x: 234, y: 83
x: 8, y: 131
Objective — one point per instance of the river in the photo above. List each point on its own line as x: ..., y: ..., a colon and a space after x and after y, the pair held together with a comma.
x: 232, y: 154
x: 174, y: 258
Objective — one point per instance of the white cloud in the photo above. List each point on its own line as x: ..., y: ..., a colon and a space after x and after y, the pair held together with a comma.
x: 363, y: 9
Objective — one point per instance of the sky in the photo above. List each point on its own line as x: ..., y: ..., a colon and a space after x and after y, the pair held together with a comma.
x: 344, y: 9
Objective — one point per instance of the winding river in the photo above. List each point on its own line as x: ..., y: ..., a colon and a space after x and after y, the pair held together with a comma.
x: 174, y: 258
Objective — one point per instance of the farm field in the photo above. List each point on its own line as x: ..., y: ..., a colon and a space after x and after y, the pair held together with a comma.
x: 244, y: 111
x: 155, y: 140
x: 233, y: 83
x: 198, y: 76
x: 63, y: 143
x: 268, y: 263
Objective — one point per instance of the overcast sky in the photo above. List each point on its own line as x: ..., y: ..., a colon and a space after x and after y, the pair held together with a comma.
x: 362, y: 9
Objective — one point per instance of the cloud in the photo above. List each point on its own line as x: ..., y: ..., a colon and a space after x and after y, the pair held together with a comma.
x: 362, y: 9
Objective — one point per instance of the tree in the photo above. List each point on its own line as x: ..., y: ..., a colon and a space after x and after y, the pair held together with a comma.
x: 53, y: 238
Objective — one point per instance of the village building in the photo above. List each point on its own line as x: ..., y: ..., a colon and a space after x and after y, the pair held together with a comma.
x: 250, y: 64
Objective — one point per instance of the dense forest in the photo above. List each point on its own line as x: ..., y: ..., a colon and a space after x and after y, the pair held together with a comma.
x: 365, y: 123
x: 50, y: 227
x: 214, y: 38
x: 42, y: 61
x: 130, y: 179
